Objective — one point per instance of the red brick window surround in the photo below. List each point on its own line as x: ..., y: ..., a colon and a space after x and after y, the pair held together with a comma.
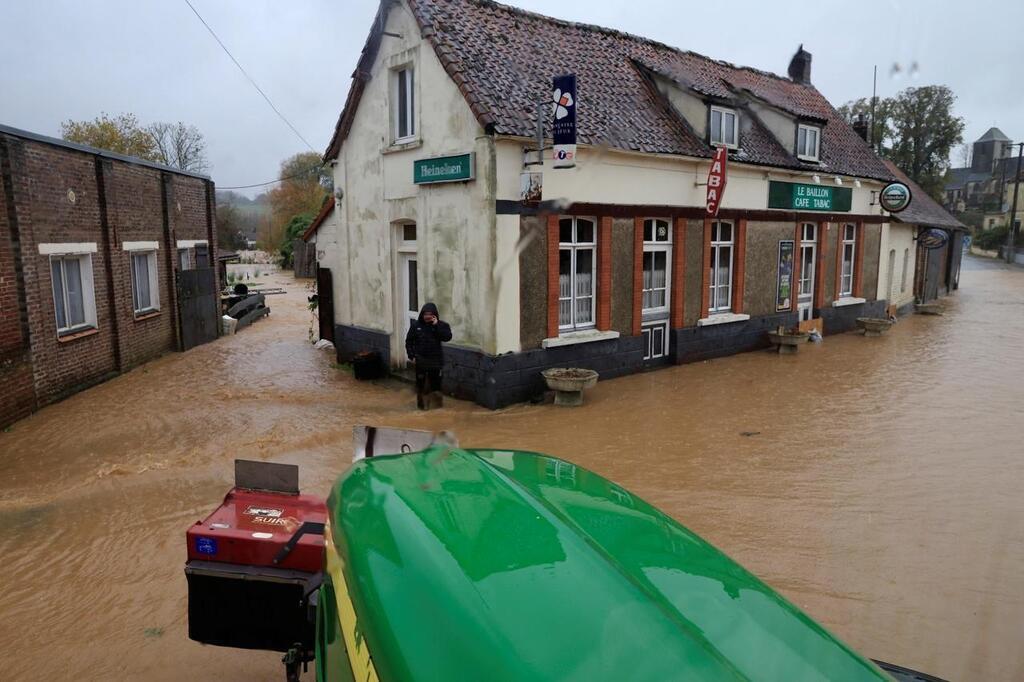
x: 725, y: 249
x: 850, y: 260
x: 579, y: 274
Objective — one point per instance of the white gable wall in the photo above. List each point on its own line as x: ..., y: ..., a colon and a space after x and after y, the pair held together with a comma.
x: 455, y: 221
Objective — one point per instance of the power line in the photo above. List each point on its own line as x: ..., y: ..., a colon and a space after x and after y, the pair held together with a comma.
x: 271, y: 182
x: 246, y: 74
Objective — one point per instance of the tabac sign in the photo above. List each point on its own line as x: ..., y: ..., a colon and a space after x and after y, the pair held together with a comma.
x: 563, y: 127
x: 796, y: 196
x: 716, y: 180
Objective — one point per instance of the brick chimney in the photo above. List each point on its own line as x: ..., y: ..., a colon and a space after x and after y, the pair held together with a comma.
x: 860, y: 126
x: 800, y: 66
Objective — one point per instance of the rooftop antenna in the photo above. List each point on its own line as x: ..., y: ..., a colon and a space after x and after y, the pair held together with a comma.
x: 874, y: 97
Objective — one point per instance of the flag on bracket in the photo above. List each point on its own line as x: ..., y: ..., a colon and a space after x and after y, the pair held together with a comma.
x: 716, y: 180
x: 563, y: 128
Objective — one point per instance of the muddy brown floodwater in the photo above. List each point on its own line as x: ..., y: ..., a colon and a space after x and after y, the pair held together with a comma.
x: 878, y: 486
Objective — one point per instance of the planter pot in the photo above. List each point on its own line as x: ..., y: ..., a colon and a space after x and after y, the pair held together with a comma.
x: 568, y: 384
x: 873, y: 326
x: 929, y: 308
x: 787, y: 343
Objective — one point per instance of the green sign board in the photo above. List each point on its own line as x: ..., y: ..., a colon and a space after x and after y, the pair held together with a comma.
x: 796, y: 196
x: 457, y: 168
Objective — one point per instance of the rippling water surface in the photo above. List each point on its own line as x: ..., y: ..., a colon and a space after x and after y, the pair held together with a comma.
x: 877, y: 483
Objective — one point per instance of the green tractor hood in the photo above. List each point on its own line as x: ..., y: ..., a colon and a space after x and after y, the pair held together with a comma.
x: 498, y: 565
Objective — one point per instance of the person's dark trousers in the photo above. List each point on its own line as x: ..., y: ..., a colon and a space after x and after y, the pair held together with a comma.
x: 427, y: 381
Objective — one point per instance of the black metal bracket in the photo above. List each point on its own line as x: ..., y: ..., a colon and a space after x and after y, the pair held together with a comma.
x: 306, y: 527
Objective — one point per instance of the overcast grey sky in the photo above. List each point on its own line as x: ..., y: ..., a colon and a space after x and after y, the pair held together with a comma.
x: 62, y: 59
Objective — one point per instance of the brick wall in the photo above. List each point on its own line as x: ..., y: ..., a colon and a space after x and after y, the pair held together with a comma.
x: 54, y: 194
x: 18, y: 397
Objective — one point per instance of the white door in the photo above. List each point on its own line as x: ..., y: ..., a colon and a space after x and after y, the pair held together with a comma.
x: 657, y: 286
x: 808, y: 251
x: 410, y: 290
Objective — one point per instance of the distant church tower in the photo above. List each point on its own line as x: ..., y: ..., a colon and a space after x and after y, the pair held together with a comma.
x: 989, y: 148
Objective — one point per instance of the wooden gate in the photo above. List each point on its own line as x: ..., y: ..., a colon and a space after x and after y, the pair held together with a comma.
x: 197, y: 307
x: 325, y: 303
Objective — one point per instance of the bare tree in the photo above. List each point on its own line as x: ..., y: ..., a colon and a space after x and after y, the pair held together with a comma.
x: 179, y: 146
x: 964, y: 154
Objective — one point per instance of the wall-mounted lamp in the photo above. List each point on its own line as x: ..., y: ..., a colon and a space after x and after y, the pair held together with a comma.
x: 856, y: 183
x: 839, y: 181
x: 817, y: 179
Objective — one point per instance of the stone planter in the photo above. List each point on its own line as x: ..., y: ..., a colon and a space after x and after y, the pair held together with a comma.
x: 873, y: 326
x: 787, y: 343
x: 568, y: 384
x: 929, y: 308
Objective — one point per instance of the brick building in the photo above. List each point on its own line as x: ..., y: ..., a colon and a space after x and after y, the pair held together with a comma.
x: 617, y: 266
x: 90, y: 244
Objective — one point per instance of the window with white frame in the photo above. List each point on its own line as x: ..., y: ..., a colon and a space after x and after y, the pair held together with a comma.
x: 903, y: 277
x: 808, y: 245
x: 403, y: 104
x: 808, y: 142
x: 145, y: 290
x: 724, y: 127
x: 720, y: 299
x: 73, y: 297
x: 577, y: 251
x: 656, y: 259
x: 849, y: 252
x: 184, y: 262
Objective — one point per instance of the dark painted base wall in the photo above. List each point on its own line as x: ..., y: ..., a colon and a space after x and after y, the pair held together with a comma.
x: 844, y: 319
x: 351, y: 340
x: 693, y: 344
x: 495, y: 381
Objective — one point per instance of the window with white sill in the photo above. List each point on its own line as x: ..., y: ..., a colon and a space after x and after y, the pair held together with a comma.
x: 577, y: 260
x: 720, y: 295
x: 724, y: 127
x: 73, y: 295
x: 145, y: 289
x: 849, y: 254
x: 808, y: 142
x: 656, y: 260
x: 403, y: 103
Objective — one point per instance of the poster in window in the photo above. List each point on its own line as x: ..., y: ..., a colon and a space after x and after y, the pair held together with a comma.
x: 785, y: 291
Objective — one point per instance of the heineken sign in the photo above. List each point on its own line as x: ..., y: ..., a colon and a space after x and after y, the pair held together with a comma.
x: 795, y: 196
x: 458, y: 168
x: 894, y: 197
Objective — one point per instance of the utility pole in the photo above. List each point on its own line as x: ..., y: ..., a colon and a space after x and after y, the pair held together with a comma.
x: 874, y: 97
x: 1013, y: 211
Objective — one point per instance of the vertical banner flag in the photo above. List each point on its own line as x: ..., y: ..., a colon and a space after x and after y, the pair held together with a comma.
x: 716, y: 180
x: 563, y: 129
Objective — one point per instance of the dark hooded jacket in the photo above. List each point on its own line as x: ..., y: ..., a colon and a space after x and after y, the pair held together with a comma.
x: 423, y: 342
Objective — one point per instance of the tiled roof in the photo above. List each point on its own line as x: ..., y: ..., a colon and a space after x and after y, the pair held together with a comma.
x: 503, y: 59
x: 993, y: 134
x: 923, y: 210
x: 959, y: 177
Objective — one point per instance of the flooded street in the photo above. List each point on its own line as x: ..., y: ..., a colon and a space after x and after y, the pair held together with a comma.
x: 874, y: 482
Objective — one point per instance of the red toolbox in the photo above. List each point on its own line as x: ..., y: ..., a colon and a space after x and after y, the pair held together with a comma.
x: 254, y: 564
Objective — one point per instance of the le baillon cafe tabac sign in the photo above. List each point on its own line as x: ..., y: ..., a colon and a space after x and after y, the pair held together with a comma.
x: 455, y: 168
x: 794, y: 196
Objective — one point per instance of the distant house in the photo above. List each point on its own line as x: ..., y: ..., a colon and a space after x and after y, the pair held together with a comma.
x: 92, y: 245
x: 980, y: 185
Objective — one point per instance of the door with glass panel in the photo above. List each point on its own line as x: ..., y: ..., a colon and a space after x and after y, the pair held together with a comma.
x: 805, y: 287
x: 577, y: 259
x: 657, y: 275
x: 410, y: 289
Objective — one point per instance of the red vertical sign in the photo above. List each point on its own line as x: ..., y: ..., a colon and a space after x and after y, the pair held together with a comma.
x: 716, y: 180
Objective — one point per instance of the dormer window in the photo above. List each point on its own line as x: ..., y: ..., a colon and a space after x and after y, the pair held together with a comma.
x: 724, y: 128
x: 808, y: 142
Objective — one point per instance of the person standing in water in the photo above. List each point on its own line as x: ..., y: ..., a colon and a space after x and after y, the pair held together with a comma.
x: 423, y: 346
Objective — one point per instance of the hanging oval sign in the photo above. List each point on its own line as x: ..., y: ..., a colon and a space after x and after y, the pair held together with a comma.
x: 895, y: 197
x: 933, y: 239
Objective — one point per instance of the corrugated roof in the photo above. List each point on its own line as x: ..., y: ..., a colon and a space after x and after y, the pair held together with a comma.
x: 503, y: 58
